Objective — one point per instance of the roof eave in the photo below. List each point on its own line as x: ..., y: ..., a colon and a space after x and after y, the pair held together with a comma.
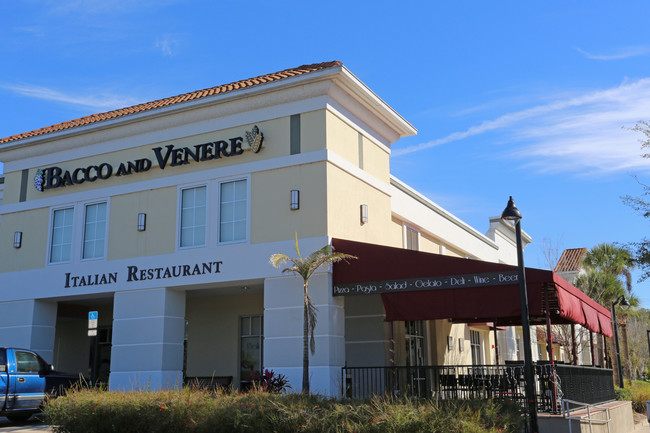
x: 347, y: 80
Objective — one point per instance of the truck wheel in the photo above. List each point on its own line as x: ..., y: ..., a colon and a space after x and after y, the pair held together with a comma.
x: 18, y: 417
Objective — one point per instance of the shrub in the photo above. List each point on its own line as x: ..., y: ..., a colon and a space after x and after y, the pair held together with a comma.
x: 638, y: 392
x: 623, y: 394
x: 92, y: 411
x: 269, y: 381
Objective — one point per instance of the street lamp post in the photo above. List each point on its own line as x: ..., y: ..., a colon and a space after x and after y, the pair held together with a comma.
x: 511, y: 213
x: 621, y: 300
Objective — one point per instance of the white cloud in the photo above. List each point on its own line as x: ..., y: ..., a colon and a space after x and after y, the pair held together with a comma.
x: 98, y: 102
x: 583, y: 134
x: 167, y: 45
x: 623, y: 53
x: 112, y: 7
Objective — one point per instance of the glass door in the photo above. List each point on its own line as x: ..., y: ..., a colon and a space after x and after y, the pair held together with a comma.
x: 415, y: 357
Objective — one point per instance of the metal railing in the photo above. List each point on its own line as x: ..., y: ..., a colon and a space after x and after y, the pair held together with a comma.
x: 498, y: 382
x: 568, y: 405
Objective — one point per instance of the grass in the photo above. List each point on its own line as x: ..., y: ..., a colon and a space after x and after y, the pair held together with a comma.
x: 97, y: 411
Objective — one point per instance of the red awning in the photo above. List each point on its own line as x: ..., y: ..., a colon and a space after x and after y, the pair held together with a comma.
x: 499, y: 304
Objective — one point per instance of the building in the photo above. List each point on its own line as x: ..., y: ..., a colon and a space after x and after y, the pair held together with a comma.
x: 157, y: 223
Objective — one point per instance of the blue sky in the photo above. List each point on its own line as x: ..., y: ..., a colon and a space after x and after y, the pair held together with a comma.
x: 529, y: 99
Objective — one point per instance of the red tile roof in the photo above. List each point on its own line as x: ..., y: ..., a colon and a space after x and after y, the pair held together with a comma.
x: 93, y: 118
x: 571, y: 260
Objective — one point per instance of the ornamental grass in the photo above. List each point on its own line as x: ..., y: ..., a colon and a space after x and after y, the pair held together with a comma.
x: 191, y: 410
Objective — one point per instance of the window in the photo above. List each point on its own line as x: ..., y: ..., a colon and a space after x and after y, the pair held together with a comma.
x: 27, y: 362
x: 412, y: 239
x: 94, y: 231
x: 475, y: 344
x: 252, y: 335
x: 61, y: 241
x: 193, y: 217
x: 233, y: 211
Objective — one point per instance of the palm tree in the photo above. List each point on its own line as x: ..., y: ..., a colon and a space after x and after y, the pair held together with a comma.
x: 604, y: 264
x: 305, y: 268
x: 611, y: 260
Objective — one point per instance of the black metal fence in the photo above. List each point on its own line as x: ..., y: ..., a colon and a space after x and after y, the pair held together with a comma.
x: 498, y: 382
x: 586, y: 384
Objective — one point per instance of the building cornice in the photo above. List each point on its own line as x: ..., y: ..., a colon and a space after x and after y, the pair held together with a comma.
x: 279, y: 92
x: 442, y: 212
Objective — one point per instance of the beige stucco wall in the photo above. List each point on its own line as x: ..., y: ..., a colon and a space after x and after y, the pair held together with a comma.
x: 345, y: 195
x: 33, y: 253
x: 429, y: 245
x: 452, y: 253
x: 342, y: 139
x: 376, y: 160
x: 161, y: 207
x: 271, y: 217
x: 313, y: 131
x: 356, y: 148
x: 213, y: 334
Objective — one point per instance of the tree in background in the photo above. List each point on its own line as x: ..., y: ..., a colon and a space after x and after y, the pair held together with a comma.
x: 641, y: 204
x: 611, y: 260
x: 605, y: 265
x: 305, y: 268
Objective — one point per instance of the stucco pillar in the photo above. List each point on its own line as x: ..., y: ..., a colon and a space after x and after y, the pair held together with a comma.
x: 29, y: 324
x: 511, y: 344
x: 148, y: 331
x: 283, y: 332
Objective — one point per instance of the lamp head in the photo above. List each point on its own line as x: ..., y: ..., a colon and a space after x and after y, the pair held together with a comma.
x: 622, y: 301
x: 511, y: 213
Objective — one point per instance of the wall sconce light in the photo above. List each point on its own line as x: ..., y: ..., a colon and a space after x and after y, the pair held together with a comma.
x: 295, y: 199
x: 142, y: 222
x: 18, y: 239
x: 364, y: 214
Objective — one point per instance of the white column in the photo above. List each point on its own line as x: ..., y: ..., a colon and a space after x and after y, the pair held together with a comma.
x: 283, y: 332
x: 29, y: 324
x: 148, y: 330
x: 511, y: 343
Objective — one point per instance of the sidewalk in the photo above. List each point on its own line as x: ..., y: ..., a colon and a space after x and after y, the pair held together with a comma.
x: 32, y: 426
x: 641, y: 424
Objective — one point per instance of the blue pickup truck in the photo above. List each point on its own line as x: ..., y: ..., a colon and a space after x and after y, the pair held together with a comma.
x: 25, y: 380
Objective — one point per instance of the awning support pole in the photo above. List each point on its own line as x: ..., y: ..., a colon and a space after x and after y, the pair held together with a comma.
x: 549, y: 346
x: 574, y: 345
x: 496, y: 342
x: 593, y: 354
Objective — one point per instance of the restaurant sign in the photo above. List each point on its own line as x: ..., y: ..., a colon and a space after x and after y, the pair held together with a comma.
x: 428, y: 283
x: 135, y: 273
x: 170, y: 156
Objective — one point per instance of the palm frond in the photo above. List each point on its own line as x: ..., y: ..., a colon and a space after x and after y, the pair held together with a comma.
x: 278, y: 259
x: 298, y: 248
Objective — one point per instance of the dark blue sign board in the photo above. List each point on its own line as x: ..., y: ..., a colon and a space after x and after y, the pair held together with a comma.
x: 428, y: 283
